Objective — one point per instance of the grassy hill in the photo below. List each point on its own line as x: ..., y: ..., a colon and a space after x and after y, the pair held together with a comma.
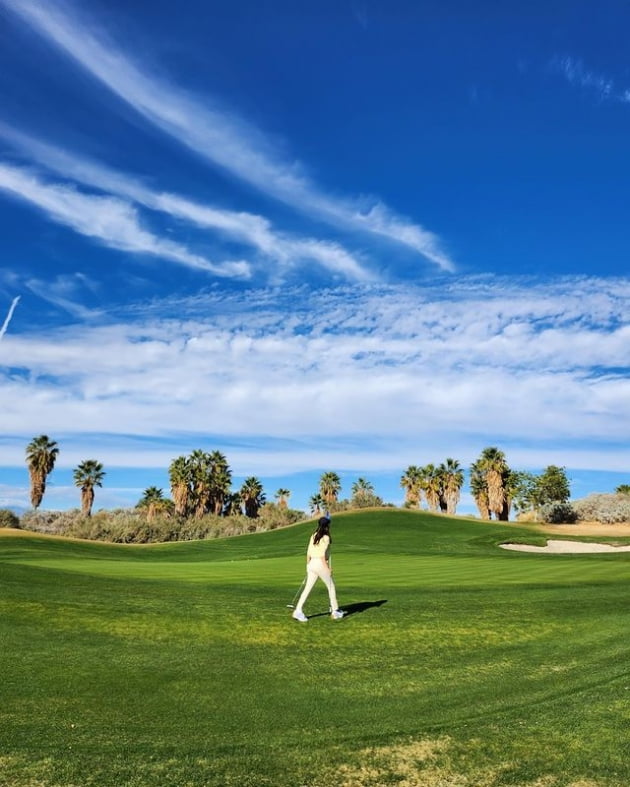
x: 459, y: 663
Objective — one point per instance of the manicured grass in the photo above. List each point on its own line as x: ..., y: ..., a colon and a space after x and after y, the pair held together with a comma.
x: 460, y: 663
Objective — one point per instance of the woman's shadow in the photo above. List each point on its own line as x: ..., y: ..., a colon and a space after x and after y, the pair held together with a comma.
x: 361, y: 606
x: 353, y: 609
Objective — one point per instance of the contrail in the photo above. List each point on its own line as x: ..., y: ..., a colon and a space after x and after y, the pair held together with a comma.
x: 5, y: 325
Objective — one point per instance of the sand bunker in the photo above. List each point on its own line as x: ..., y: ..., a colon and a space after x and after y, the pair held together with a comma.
x: 566, y: 548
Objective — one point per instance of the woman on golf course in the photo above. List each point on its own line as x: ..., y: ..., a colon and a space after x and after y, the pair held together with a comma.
x: 318, y: 565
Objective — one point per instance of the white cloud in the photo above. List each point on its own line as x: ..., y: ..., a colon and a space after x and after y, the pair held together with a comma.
x: 371, y: 375
x: 218, y: 135
x: 61, y: 292
x: 578, y: 74
x: 283, y: 249
x: 109, y: 220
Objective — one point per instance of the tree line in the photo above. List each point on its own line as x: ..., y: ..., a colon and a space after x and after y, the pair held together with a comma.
x: 201, y: 483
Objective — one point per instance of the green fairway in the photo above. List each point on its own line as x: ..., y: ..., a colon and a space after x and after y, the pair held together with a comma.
x: 460, y: 664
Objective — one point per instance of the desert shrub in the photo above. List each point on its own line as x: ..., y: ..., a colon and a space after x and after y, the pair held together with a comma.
x: 336, y: 506
x: 606, y: 508
x: 133, y: 526
x: 53, y: 522
x: 8, y: 518
x: 275, y: 516
x: 366, y: 500
x: 527, y: 516
x: 557, y: 514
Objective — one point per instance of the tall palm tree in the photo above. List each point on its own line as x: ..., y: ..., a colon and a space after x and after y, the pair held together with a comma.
x: 496, y: 471
x: 201, y: 480
x: 180, y: 475
x: 329, y: 487
x: 252, y: 495
x: 452, y: 482
x: 87, y: 475
x: 511, y: 488
x: 493, y: 484
x: 411, y: 482
x: 431, y: 485
x: 479, y: 489
x: 41, y: 454
x: 316, y: 504
x: 282, y: 496
x: 220, y: 480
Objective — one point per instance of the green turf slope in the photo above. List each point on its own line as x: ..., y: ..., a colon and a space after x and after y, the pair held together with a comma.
x: 459, y: 664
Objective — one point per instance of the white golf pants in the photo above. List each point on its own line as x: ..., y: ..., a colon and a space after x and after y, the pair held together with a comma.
x: 316, y: 569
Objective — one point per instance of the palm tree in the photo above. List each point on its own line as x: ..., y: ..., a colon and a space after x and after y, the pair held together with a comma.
x: 493, y: 488
x: 452, y: 477
x: 154, y: 502
x: 252, y: 495
x: 282, y: 496
x: 431, y: 486
x: 87, y: 475
x: 220, y: 480
x: 329, y: 487
x: 41, y: 454
x: 362, y: 492
x: 233, y: 505
x: 181, y: 484
x: 316, y: 504
x: 479, y: 489
x: 201, y: 481
x: 496, y: 472
x: 411, y: 483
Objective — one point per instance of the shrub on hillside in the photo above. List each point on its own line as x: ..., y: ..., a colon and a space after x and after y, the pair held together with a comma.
x: 53, y: 522
x: 557, y: 514
x: 274, y: 516
x: 606, y: 508
x: 366, y: 500
x: 133, y: 526
x: 8, y: 518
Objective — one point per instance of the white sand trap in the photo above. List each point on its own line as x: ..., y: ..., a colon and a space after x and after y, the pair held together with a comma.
x: 566, y: 548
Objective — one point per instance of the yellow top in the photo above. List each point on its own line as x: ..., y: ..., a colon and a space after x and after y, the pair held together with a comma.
x: 321, y: 550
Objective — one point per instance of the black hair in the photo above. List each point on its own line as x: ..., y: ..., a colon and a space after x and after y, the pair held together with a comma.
x: 323, y: 529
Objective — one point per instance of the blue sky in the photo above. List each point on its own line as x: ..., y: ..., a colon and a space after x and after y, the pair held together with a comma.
x: 316, y: 236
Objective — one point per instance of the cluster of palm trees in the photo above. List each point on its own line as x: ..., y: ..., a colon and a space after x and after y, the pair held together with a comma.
x: 327, y: 497
x: 492, y: 484
x: 41, y: 455
x: 201, y: 484
x: 439, y: 485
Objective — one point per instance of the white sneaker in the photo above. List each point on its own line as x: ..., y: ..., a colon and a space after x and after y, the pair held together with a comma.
x: 337, y: 614
x: 297, y: 615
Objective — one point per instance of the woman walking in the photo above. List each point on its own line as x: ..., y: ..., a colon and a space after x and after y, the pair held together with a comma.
x: 318, y: 566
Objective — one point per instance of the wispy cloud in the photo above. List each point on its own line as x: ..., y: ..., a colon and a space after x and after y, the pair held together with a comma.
x: 577, y: 74
x: 109, y: 220
x: 7, y: 320
x: 282, y: 249
x: 219, y: 136
x: 62, y: 291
